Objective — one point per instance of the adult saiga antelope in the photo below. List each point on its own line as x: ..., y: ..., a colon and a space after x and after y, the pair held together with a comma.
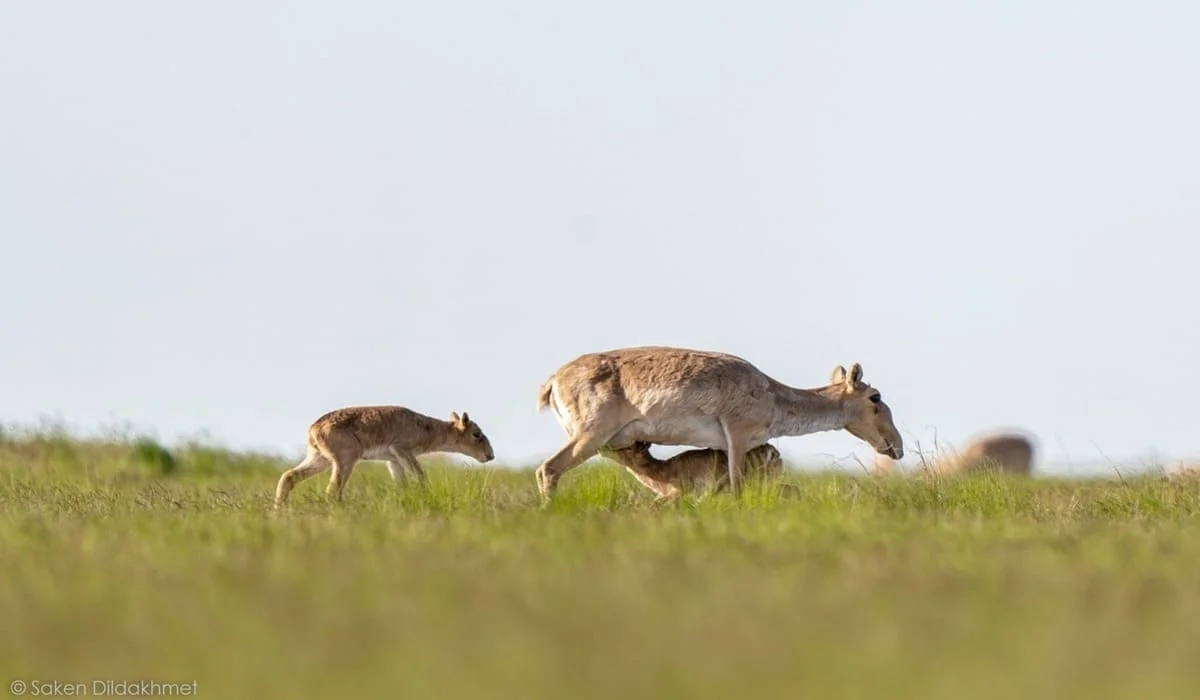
x: 395, y: 434
x: 677, y: 396
x: 686, y: 471
x: 1010, y: 453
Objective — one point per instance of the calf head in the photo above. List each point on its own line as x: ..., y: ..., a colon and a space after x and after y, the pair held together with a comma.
x: 470, y: 438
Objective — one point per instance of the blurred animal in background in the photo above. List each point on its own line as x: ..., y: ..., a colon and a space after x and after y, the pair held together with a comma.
x: 1184, y: 469
x: 1002, y: 452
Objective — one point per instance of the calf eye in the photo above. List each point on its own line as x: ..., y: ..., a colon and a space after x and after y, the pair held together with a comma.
x: 876, y: 398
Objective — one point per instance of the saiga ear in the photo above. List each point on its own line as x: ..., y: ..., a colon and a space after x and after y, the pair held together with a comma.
x: 465, y: 420
x: 838, y: 376
x: 454, y: 418
x: 856, y: 374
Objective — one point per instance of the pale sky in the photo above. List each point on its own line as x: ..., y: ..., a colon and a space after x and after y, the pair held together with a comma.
x: 231, y: 217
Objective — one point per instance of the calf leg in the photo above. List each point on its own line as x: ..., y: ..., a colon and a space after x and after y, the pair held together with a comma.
x: 343, y: 465
x: 411, y: 463
x: 313, y: 464
x: 670, y: 494
x: 396, y: 469
x: 661, y: 489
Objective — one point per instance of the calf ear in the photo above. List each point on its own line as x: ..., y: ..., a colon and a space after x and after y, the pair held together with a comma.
x: 465, y: 420
x: 856, y: 374
x: 838, y: 376
x: 454, y: 418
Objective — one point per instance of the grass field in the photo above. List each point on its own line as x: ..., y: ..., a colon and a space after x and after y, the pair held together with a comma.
x: 126, y: 562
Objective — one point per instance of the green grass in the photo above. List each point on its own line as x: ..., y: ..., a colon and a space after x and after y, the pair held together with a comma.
x: 121, y: 562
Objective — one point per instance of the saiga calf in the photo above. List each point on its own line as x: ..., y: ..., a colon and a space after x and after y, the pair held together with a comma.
x: 687, y: 471
x: 395, y: 434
